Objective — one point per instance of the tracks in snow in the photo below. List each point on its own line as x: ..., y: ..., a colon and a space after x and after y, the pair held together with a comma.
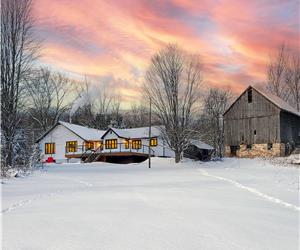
x: 252, y: 190
x: 26, y: 202
x: 41, y: 196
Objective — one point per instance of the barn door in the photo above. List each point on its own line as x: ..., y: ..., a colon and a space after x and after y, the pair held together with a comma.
x: 233, y: 151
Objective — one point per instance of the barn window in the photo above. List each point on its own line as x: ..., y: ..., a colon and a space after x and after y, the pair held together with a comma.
x: 249, y: 146
x: 255, y: 132
x: 136, y: 144
x: 270, y: 146
x: 153, y: 142
x: 71, y: 146
x: 249, y: 95
x: 233, y: 150
x: 111, y: 144
x: 49, y: 148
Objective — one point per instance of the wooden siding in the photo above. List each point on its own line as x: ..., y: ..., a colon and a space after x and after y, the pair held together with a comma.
x: 290, y: 128
x: 243, y: 119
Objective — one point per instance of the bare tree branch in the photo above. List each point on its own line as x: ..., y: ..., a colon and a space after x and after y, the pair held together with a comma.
x: 49, y: 96
x: 284, y: 76
x: 173, y: 83
x: 19, y: 49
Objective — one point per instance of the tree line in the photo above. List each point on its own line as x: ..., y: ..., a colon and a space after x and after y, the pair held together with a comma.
x: 284, y: 75
x: 34, y: 98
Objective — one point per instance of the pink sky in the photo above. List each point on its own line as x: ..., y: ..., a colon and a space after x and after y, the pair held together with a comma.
x: 112, y: 41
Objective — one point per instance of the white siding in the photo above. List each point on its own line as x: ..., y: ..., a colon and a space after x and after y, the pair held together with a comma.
x: 59, y: 135
x: 159, y: 150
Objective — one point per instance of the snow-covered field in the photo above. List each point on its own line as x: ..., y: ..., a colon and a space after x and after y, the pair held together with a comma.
x: 236, y: 204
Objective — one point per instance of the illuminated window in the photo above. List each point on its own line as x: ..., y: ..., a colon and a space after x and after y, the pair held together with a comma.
x: 98, y: 144
x: 89, y: 145
x: 153, y: 142
x: 111, y: 144
x: 136, y: 144
x: 127, y: 143
x: 71, y: 146
x: 49, y: 148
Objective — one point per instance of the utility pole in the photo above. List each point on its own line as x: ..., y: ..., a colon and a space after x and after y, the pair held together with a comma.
x: 149, y: 148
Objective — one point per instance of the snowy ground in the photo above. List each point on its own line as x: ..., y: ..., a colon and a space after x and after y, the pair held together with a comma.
x: 235, y: 204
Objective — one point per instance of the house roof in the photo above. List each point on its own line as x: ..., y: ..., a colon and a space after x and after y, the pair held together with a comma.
x: 94, y: 134
x: 142, y: 132
x: 201, y: 145
x: 81, y: 131
x: 84, y: 132
x: 281, y: 104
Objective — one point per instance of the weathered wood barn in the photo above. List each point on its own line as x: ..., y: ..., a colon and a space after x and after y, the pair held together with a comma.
x: 260, y: 124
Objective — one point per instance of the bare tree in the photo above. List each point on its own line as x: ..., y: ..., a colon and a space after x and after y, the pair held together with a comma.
x: 103, y: 100
x: 284, y: 76
x: 49, y: 96
x: 102, y: 106
x: 137, y: 116
x: 19, y: 49
x: 117, y: 118
x: 211, y: 121
x: 81, y: 111
x: 173, y: 82
x: 276, y: 74
x: 292, y: 79
x: 96, y: 107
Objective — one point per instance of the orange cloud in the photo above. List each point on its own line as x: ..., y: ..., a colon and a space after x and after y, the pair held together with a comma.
x: 117, y: 38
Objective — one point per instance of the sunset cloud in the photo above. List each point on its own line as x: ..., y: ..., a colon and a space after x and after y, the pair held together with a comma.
x: 116, y: 39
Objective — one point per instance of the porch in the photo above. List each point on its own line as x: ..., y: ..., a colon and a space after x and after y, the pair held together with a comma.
x: 117, y: 153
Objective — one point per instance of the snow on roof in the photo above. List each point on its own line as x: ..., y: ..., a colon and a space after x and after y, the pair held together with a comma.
x: 84, y: 132
x: 201, y: 145
x: 142, y: 132
x: 277, y: 101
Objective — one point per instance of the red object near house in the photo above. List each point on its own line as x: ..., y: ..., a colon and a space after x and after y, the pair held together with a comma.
x: 50, y: 160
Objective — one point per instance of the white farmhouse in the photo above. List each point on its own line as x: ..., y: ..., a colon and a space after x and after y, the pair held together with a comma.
x: 134, y: 142
x: 66, y: 142
x: 65, y: 139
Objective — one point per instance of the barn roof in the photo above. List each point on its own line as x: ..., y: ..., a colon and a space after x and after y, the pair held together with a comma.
x: 83, y: 132
x: 281, y: 104
x: 277, y: 101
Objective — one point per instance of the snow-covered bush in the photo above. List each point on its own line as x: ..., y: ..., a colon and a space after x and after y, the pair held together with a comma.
x: 25, y: 156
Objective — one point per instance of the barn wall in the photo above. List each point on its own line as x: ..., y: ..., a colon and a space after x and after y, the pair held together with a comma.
x: 290, y: 128
x: 258, y: 150
x: 244, y: 119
